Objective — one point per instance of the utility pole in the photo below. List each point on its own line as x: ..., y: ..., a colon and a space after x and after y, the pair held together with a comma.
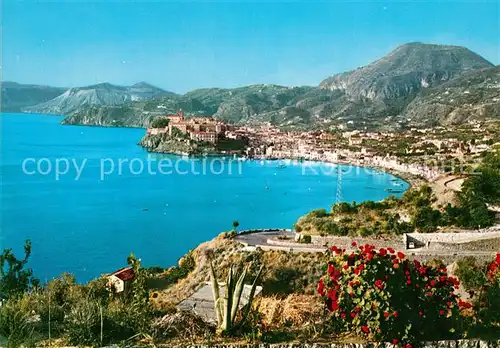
x: 48, y: 288
x: 102, y: 322
x: 339, y: 185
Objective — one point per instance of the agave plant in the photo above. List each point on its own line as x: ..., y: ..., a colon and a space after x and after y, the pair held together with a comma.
x: 226, y: 307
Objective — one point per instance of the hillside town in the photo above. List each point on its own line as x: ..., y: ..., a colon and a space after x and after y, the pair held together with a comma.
x: 426, y: 152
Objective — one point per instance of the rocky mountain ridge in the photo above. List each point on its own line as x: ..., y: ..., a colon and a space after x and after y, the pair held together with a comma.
x: 103, y: 94
x: 16, y: 96
x: 394, y: 92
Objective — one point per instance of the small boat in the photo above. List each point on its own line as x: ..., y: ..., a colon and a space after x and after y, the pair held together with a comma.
x: 393, y: 190
x: 145, y: 209
x: 282, y: 166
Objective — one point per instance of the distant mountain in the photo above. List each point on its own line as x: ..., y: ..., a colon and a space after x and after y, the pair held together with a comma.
x: 395, y: 91
x: 384, y: 94
x: 471, y: 96
x: 405, y: 71
x: 16, y: 96
x: 103, y: 94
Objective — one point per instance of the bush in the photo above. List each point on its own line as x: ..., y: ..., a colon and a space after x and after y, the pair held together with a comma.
x: 305, y: 239
x: 160, y: 122
x: 319, y: 213
x: 470, y: 274
x: 83, y: 323
x: 17, y: 323
x: 383, y: 296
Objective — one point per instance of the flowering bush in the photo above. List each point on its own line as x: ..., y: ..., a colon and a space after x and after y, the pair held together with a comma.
x: 487, y: 303
x: 381, y: 295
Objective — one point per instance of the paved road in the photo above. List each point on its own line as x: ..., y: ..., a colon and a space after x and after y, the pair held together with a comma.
x: 270, y: 241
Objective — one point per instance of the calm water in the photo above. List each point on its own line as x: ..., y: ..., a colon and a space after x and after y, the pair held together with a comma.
x: 89, y: 226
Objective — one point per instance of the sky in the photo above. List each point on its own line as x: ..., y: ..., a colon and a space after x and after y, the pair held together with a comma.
x: 183, y: 45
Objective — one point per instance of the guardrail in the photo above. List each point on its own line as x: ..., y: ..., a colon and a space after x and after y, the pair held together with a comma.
x: 260, y: 230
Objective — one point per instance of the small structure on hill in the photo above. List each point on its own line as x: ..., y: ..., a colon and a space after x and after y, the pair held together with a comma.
x: 121, y: 280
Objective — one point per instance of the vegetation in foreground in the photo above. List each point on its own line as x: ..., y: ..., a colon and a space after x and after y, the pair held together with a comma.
x: 369, y: 295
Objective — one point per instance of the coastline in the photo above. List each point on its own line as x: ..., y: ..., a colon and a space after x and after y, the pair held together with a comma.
x: 411, y: 179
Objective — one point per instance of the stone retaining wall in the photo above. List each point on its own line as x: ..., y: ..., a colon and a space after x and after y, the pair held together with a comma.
x: 438, y: 344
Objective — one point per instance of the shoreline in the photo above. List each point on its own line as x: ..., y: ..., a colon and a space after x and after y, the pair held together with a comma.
x: 411, y: 179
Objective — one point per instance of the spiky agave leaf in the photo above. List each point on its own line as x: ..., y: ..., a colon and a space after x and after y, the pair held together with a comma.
x: 250, y: 297
x: 215, y: 292
x: 237, y: 293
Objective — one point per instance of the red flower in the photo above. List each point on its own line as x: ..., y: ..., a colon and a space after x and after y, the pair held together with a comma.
x: 365, y: 329
x: 463, y: 304
x: 332, y: 305
x: 408, y: 282
x: 353, y: 243
x: 357, y: 309
x: 353, y: 315
x: 428, y: 294
x: 395, y: 341
x: 391, y: 250
x: 342, y: 315
x: 401, y: 255
x: 386, y: 314
x: 441, y: 312
x: 433, y: 283
x: 379, y: 284
x: 493, y: 267
x: 396, y: 314
x: 420, y: 313
x: 408, y: 345
x: 346, y: 267
x: 448, y: 304
x: 321, y: 287
x: 332, y: 294
x: 382, y: 252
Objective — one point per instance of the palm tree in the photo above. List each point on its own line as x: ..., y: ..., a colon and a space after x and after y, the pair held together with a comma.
x: 235, y: 225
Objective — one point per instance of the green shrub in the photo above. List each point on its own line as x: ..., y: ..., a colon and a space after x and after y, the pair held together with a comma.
x: 305, y: 239
x: 319, y: 213
x: 160, y: 122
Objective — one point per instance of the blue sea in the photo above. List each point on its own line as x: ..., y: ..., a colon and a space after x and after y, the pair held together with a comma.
x: 88, y: 196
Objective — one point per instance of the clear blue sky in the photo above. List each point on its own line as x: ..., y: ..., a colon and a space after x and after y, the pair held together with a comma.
x: 181, y: 45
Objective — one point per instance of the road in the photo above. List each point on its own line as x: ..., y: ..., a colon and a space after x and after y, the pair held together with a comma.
x: 270, y: 241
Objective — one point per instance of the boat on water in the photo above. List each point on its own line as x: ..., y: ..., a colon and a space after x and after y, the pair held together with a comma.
x: 282, y: 166
x: 391, y: 190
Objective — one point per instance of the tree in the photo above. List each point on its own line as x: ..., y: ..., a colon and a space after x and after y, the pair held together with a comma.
x: 160, y: 122
x: 15, y: 279
x: 235, y: 225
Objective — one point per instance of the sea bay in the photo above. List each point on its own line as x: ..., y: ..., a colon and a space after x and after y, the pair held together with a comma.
x: 87, y: 224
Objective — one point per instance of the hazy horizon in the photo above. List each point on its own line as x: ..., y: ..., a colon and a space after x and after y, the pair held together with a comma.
x: 181, y: 46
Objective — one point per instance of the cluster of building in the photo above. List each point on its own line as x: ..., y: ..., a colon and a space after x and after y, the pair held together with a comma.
x: 355, y: 147
x: 197, y: 128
